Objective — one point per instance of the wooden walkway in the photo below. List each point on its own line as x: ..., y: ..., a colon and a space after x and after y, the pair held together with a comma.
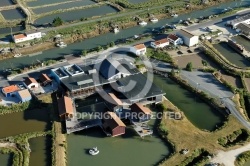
x: 81, y: 125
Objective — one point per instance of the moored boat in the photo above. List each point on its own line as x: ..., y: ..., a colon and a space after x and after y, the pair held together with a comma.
x: 94, y: 151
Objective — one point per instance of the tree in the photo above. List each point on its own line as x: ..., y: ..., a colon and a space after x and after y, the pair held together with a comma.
x: 204, y: 63
x: 189, y: 66
x: 111, y: 44
x: 84, y: 52
x: 173, y: 72
x: 99, y: 48
x: 57, y: 22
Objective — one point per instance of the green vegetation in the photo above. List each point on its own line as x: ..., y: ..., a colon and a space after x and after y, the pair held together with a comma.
x: 160, y: 55
x: 189, y: 66
x: 237, y: 137
x: 57, y: 22
x: 242, y: 158
x: 198, y: 157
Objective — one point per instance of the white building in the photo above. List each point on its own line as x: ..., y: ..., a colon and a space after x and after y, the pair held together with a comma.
x: 139, y: 49
x: 31, y: 83
x: 188, y: 38
x: 26, y: 36
x: 242, y: 19
x: 160, y: 43
x: 175, y: 40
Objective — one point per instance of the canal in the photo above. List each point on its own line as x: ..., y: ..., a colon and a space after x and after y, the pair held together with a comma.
x: 107, y: 38
x: 128, y: 149
x: 24, y: 122
x: 40, y: 151
x: 244, y: 41
x: 231, y: 55
x: 194, y: 109
x: 6, y: 159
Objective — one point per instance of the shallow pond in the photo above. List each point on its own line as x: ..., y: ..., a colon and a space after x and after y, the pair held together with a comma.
x: 243, y: 41
x: 6, y: 159
x: 194, y: 109
x: 12, y: 14
x: 128, y: 149
x: 77, y: 14
x: 40, y: 151
x: 232, y: 56
x: 23, y: 122
x: 44, y: 2
x: 5, y: 2
x: 62, y: 6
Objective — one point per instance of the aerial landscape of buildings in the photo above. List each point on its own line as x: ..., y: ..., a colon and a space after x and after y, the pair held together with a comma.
x: 124, y: 82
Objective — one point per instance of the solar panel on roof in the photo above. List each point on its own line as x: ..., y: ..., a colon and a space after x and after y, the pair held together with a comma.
x: 84, y: 82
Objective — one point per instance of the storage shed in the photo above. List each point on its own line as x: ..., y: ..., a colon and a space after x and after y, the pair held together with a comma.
x: 113, y: 124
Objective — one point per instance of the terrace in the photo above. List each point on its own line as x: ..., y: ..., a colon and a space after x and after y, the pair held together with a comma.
x: 73, y: 70
x: 59, y: 73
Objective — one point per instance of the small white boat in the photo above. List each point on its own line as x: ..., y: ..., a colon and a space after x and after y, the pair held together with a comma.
x: 154, y: 20
x: 143, y: 23
x: 61, y: 44
x: 116, y: 30
x: 174, y: 15
x: 93, y: 151
x: 17, y: 55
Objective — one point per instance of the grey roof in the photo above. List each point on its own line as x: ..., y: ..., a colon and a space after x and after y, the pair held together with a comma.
x: 185, y: 33
x: 244, y: 27
x: 137, y: 87
x: 110, y: 67
x: 240, y: 19
x: 83, y: 81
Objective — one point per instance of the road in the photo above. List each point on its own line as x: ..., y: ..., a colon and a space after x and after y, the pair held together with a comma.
x: 207, y: 83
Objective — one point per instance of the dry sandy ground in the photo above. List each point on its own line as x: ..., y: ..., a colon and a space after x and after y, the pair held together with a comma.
x: 247, y: 81
x: 228, y: 158
x: 196, y: 61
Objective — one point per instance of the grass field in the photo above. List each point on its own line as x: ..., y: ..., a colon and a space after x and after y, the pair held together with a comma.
x: 2, y: 18
x: 185, y: 135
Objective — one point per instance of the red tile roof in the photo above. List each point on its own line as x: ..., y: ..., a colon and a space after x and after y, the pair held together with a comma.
x: 44, y: 78
x: 11, y: 88
x: 29, y: 81
x: 139, y: 46
x: 137, y: 107
x: 115, y: 99
x: 19, y: 36
x: 113, y: 120
x: 158, y: 42
x: 65, y: 105
x: 173, y: 37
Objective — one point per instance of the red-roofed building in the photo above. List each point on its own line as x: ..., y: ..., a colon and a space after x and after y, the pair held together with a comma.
x: 45, y: 80
x: 24, y: 95
x: 11, y: 90
x: 139, y: 49
x: 65, y: 107
x: 22, y: 37
x: 113, y: 124
x: 140, y: 112
x: 160, y: 43
x: 31, y: 83
x: 174, y: 39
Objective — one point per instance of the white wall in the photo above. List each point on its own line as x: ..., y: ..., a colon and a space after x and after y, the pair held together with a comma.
x: 28, y: 37
x: 138, y: 52
x: 160, y: 45
x: 32, y: 84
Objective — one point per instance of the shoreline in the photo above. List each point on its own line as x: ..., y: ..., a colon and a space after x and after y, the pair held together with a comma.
x: 80, y: 37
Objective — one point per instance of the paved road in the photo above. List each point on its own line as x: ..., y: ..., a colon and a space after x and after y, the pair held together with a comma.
x: 207, y: 83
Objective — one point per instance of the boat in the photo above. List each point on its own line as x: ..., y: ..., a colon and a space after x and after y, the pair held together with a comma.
x: 116, y: 30
x: 154, y: 20
x: 93, y: 151
x: 61, y: 44
x: 174, y: 15
x: 17, y: 55
x: 143, y: 23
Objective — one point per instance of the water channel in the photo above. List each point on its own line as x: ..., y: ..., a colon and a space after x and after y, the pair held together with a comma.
x: 128, y: 149
x: 23, y: 122
x: 5, y: 159
x: 231, y: 55
x: 107, y: 38
x: 40, y: 151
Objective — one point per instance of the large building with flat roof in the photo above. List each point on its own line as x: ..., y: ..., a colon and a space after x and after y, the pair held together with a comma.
x: 188, y: 38
x: 240, y: 19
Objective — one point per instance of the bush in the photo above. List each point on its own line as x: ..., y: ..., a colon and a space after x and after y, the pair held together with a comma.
x: 189, y: 66
x: 242, y: 158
